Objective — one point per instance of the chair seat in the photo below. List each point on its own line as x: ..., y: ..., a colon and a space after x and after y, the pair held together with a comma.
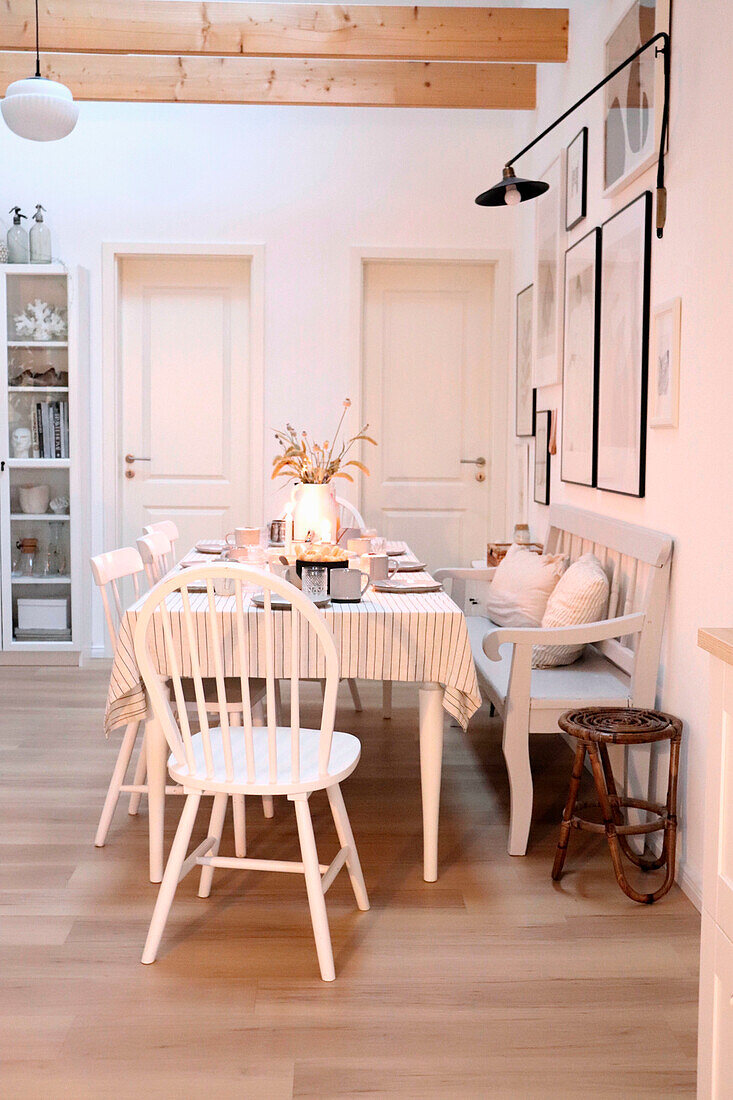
x: 345, y: 752
x: 592, y: 677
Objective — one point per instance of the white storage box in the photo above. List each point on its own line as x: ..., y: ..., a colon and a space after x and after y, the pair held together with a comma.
x: 49, y: 614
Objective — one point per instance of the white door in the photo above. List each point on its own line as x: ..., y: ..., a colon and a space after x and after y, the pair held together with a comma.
x: 426, y: 382
x: 184, y: 394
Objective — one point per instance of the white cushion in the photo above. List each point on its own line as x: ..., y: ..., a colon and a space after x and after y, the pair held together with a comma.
x: 521, y: 585
x: 580, y: 596
x: 592, y: 679
x: 345, y: 750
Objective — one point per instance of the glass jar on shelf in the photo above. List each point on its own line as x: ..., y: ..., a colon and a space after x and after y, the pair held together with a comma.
x: 27, y: 558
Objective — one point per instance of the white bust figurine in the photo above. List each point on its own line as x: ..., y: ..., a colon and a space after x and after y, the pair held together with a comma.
x: 21, y: 442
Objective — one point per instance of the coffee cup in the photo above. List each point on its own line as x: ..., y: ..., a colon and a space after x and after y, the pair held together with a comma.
x: 359, y: 545
x: 236, y: 553
x: 381, y: 568
x: 243, y: 536
x: 348, y: 585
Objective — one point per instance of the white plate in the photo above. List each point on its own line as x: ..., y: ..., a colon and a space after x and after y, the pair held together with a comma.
x: 411, y: 567
x: 406, y: 585
x: 210, y: 546
x: 279, y: 603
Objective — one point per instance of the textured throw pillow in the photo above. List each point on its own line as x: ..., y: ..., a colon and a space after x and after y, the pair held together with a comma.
x: 580, y: 596
x: 521, y: 585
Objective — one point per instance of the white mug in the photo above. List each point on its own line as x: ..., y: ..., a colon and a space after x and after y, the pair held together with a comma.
x: 381, y: 567
x: 359, y: 546
x: 348, y: 585
x: 243, y: 536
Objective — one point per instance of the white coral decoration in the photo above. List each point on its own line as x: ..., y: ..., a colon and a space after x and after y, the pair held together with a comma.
x: 40, y: 321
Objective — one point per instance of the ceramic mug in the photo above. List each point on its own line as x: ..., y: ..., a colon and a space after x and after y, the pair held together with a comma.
x: 243, y: 536
x: 381, y: 567
x: 348, y: 585
x: 360, y: 545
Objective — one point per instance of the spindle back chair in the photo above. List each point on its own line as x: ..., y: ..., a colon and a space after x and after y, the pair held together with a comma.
x: 168, y: 528
x: 227, y: 759
x: 155, y: 550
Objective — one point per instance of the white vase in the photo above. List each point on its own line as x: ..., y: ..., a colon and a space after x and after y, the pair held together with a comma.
x: 314, y: 509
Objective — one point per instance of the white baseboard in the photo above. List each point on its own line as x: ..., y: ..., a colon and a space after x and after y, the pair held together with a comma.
x: 690, y: 888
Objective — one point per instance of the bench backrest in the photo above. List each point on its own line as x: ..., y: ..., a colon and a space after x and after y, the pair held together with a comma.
x: 637, y: 563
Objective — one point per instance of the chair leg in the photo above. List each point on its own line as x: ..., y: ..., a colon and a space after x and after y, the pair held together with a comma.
x: 240, y: 827
x: 314, y: 886
x: 118, y: 778
x: 565, y: 827
x: 268, y: 805
x: 170, y: 877
x: 354, y: 689
x: 216, y: 825
x: 278, y: 703
x: 346, y: 840
x: 386, y: 699
x: 140, y: 772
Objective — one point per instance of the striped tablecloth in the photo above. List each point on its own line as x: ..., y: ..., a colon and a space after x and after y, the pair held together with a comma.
x: 414, y: 638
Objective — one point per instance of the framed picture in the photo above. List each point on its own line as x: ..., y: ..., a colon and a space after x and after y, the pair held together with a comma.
x: 664, y: 389
x: 576, y: 179
x: 542, y: 457
x: 525, y: 394
x: 547, y: 318
x: 521, y: 482
x: 624, y: 350
x: 633, y: 99
x: 580, y: 360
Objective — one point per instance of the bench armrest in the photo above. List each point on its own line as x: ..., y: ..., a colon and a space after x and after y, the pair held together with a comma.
x: 562, y: 635
x: 461, y: 574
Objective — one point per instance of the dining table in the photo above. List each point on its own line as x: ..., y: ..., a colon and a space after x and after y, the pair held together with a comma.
x: 408, y: 637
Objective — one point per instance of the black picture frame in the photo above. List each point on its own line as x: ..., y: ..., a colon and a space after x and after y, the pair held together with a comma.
x: 615, y: 388
x: 569, y: 472
x: 582, y: 156
x: 523, y: 427
x: 542, y: 457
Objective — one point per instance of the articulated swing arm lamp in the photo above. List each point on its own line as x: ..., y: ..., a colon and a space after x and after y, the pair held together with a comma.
x: 511, y: 190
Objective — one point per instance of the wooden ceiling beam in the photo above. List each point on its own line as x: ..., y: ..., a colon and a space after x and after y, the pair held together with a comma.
x: 134, y: 78
x: 237, y: 28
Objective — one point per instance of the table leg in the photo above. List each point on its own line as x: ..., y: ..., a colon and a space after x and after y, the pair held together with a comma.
x: 157, y: 752
x: 431, y: 761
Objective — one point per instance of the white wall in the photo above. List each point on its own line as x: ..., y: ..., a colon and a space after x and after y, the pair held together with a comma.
x: 307, y: 183
x: 689, y: 470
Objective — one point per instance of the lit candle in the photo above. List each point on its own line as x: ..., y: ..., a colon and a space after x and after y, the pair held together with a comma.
x: 326, y: 532
x: 288, y: 530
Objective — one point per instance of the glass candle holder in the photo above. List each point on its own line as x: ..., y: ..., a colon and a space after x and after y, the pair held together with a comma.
x: 315, y: 580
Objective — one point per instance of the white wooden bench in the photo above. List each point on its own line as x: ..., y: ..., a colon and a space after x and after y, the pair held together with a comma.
x: 619, y: 667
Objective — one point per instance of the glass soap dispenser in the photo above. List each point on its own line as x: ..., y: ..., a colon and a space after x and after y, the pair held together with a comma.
x: 18, y: 246
x: 40, y: 238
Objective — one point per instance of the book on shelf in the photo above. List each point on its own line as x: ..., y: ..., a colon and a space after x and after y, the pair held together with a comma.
x: 50, y: 429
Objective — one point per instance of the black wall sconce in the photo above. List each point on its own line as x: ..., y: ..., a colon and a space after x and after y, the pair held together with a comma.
x: 512, y: 189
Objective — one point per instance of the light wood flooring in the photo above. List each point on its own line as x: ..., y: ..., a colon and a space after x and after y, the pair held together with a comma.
x: 492, y: 982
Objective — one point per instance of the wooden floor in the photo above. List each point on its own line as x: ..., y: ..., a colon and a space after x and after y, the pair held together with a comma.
x: 492, y: 982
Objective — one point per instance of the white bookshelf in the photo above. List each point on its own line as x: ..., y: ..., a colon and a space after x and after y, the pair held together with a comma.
x: 60, y: 367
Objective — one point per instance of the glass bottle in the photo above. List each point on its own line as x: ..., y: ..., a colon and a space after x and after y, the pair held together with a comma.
x: 40, y: 239
x: 18, y: 243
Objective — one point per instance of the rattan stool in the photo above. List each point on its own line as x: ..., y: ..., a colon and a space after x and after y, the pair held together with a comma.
x: 595, y: 729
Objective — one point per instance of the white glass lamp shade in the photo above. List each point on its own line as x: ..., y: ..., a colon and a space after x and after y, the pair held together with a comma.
x: 39, y: 109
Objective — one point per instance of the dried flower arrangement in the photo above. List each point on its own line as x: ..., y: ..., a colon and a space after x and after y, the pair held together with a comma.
x: 40, y: 321
x: 311, y: 463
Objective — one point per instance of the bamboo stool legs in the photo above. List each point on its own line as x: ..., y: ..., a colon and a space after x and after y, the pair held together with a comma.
x: 596, y: 728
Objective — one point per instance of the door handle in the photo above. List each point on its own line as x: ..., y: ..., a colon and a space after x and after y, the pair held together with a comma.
x: 129, y: 459
x: 473, y: 461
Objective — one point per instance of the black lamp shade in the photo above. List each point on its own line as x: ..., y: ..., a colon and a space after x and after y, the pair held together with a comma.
x: 528, y: 189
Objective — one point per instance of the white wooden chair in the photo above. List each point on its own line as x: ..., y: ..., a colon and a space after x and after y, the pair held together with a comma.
x: 349, y: 514
x: 168, y: 528
x: 155, y: 551
x: 618, y: 668
x: 226, y: 760
x: 108, y: 570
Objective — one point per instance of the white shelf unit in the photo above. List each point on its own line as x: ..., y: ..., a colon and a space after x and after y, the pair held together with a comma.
x: 21, y: 284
